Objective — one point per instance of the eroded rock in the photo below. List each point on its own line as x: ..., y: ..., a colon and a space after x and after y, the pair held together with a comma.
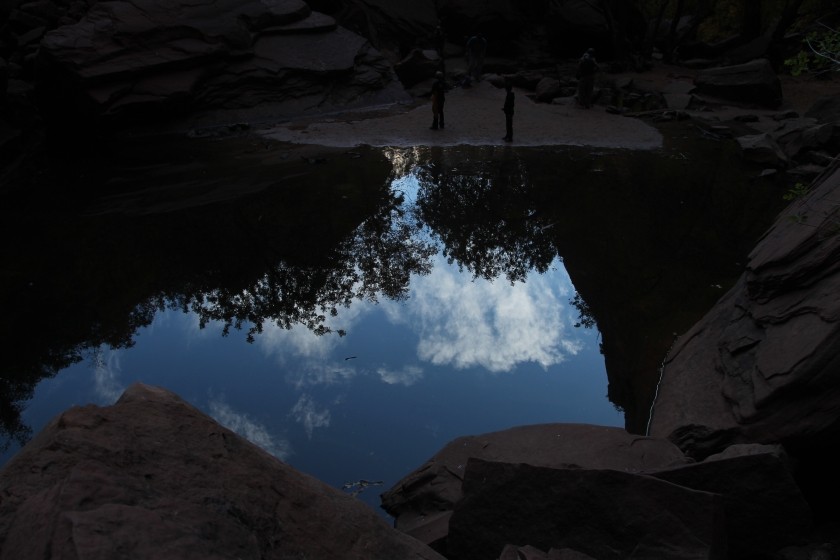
x: 134, y: 59
x: 751, y: 82
x: 154, y: 476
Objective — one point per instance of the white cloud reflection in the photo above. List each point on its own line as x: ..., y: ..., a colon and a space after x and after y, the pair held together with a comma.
x: 307, y: 412
x: 250, y: 429
x: 407, y: 375
x: 310, y: 358
x: 106, y: 373
x: 465, y: 323
x: 459, y: 322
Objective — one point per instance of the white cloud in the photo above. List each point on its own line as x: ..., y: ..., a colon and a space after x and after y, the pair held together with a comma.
x: 467, y: 323
x: 250, y: 429
x: 106, y: 373
x: 306, y: 412
x: 407, y: 375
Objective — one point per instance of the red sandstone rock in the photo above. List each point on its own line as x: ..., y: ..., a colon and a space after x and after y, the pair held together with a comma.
x: 151, y: 477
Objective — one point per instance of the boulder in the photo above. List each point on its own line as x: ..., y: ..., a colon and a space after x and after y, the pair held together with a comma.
x: 763, y: 149
x: 547, y: 89
x: 825, y: 110
x: 422, y: 500
x: 753, y: 82
x: 798, y: 135
x: 763, y: 507
x: 606, y: 514
x: 574, y: 489
x: 152, y: 477
x: 392, y: 27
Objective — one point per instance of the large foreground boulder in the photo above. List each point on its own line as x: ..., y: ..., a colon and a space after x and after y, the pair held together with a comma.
x: 151, y: 477
x: 598, y: 492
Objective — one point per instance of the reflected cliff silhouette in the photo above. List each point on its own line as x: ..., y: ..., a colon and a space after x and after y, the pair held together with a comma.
x: 245, y: 234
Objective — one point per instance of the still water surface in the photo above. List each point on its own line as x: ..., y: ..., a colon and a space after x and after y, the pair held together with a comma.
x: 458, y: 355
x: 353, y: 315
x: 456, y: 358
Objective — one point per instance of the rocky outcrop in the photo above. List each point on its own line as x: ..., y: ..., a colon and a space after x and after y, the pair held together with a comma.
x: 591, y: 491
x: 751, y: 82
x: 134, y: 59
x: 764, y: 364
x: 394, y: 28
x: 152, y: 477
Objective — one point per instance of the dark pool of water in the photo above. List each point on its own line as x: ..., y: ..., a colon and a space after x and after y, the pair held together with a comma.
x: 351, y: 312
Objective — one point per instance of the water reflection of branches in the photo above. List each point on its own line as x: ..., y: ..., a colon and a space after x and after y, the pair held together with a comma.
x: 293, y: 257
x: 377, y: 260
x: 484, y: 217
x: 585, y: 317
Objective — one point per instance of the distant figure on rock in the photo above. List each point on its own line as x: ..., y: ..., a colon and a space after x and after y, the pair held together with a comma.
x: 586, y: 70
x: 438, y: 100
x: 508, y: 109
x: 476, y: 49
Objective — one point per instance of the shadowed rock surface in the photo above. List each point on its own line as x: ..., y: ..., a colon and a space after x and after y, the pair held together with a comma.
x: 126, y: 60
x: 751, y: 82
x: 763, y: 364
x: 152, y: 477
x: 591, y: 490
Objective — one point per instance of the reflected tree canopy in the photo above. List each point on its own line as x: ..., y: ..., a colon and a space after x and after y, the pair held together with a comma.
x: 485, y: 217
x: 376, y: 260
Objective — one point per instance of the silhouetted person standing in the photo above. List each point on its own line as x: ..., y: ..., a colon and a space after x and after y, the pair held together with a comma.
x: 438, y: 101
x: 508, y: 109
x: 586, y: 70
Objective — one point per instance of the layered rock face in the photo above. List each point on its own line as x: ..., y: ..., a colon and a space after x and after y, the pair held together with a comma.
x: 144, y: 58
x: 151, y: 477
x: 764, y: 364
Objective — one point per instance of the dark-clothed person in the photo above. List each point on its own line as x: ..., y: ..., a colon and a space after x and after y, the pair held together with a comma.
x: 508, y: 109
x: 438, y: 101
x: 587, y: 68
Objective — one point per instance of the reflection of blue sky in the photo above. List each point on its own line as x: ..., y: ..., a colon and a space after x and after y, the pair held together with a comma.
x: 459, y: 356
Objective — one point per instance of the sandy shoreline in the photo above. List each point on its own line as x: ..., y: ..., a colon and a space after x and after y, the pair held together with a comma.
x: 474, y: 117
